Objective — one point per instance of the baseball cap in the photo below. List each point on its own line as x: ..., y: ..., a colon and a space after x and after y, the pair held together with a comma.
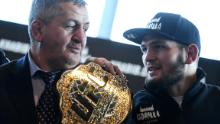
x: 168, y: 25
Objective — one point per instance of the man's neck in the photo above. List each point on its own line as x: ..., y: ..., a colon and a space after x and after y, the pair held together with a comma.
x: 181, y: 87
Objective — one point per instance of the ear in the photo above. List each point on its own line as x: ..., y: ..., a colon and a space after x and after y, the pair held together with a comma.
x: 192, y: 53
x: 37, y: 30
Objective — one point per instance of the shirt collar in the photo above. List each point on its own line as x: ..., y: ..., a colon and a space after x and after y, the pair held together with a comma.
x: 33, y: 66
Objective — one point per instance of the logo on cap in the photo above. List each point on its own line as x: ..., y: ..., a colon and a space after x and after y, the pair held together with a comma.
x: 154, y: 24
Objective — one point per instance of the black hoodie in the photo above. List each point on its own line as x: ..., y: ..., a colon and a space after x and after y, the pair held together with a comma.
x: 201, y: 105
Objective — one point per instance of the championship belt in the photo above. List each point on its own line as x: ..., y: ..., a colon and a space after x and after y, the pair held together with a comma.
x: 90, y: 95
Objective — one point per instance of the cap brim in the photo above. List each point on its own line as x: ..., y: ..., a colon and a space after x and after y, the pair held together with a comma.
x: 136, y: 35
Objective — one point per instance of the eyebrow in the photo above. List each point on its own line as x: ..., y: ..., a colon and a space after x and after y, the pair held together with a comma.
x: 77, y: 22
x: 155, y: 41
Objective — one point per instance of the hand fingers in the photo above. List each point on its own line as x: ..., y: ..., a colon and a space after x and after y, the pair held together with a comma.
x: 106, y: 65
x: 117, y: 70
x: 109, y: 67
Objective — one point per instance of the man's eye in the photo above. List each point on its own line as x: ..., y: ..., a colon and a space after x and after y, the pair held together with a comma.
x: 70, y: 27
x: 159, y: 47
x: 86, y: 27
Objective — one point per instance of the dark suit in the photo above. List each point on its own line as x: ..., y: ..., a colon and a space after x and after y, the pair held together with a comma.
x: 16, y: 93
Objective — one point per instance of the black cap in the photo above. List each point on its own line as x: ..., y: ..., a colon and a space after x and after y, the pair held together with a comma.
x: 169, y: 25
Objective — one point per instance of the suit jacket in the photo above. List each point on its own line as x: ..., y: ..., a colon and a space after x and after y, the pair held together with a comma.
x: 16, y: 93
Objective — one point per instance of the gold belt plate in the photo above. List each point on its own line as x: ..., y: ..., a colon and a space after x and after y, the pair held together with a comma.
x: 90, y: 95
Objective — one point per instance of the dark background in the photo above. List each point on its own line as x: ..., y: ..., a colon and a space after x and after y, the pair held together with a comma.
x: 127, y: 56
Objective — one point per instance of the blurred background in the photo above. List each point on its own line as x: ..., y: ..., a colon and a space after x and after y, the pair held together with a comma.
x: 109, y: 19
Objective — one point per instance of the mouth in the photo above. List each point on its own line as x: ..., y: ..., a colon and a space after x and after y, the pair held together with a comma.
x: 75, y: 48
x: 153, y: 70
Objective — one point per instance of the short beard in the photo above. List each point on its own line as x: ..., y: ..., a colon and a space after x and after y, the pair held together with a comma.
x: 171, y: 78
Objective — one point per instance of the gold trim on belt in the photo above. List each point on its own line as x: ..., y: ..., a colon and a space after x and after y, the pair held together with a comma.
x: 90, y: 95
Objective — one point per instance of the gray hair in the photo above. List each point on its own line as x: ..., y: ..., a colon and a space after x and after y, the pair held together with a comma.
x: 46, y: 10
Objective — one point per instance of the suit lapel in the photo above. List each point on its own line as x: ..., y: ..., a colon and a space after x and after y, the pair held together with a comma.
x: 22, y: 91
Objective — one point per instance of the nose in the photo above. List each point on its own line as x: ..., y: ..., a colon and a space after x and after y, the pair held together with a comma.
x: 79, y: 34
x: 149, y: 56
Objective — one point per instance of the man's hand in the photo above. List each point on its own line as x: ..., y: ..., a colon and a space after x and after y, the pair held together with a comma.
x: 106, y: 65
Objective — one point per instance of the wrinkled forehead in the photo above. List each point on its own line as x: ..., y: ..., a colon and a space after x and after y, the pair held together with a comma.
x: 70, y: 10
x: 71, y: 6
